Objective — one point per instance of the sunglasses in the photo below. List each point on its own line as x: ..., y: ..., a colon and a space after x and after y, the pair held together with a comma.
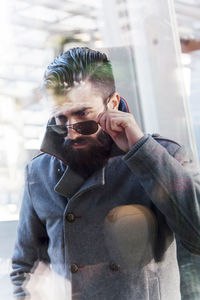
x: 85, y: 128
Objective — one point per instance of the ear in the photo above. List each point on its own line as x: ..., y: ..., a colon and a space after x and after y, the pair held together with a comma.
x: 114, y: 101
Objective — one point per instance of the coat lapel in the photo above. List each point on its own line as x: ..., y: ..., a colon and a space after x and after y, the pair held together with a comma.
x: 71, y: 183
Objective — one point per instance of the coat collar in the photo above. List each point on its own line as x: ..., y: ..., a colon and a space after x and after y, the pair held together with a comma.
x: 72, y: 183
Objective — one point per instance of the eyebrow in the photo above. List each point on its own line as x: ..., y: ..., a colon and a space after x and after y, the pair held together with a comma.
x: 77, y: 112
x: 73, y: 113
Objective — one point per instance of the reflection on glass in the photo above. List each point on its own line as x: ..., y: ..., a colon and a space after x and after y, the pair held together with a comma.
x: 139, y: 39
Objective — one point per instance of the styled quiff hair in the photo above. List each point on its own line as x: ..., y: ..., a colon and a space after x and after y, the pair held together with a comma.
x: 79, y: 65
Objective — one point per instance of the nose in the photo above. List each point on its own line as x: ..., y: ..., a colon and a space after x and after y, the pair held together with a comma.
x: 72, y: 134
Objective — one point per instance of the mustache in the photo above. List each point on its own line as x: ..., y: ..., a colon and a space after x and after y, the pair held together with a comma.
x: 69, y: 143
x: 102, y: 140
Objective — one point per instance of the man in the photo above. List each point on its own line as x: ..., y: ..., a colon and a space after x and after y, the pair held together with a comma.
x: 104, y: 200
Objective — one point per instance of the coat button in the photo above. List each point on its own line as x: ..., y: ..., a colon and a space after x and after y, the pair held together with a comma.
x: 114, y: 267
x: 74, y: 268
x: 70, y: 217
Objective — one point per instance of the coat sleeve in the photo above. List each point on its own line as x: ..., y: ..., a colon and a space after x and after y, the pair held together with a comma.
x: 31, y: 237
x: 173, y: 185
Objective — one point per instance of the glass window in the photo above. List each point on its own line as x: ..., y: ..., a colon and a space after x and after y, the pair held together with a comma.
x: 142, y: 40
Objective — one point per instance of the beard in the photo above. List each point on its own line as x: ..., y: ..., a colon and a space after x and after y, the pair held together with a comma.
x: 91, y: 158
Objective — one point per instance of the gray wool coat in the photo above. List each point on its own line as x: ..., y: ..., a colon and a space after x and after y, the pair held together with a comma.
x: 62, y: 217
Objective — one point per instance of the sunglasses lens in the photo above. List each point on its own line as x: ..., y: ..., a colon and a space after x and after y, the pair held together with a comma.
x: 86, y: 128
x: 59, y: 129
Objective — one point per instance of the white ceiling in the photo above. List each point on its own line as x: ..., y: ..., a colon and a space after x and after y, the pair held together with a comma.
x: 188, y: 18
x: 30, y: 31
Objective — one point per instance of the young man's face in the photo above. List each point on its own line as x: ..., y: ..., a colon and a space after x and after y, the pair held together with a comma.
x: 82, y: 103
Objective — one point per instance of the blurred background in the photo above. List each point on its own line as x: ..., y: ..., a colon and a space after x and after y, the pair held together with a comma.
x: 154, y: 46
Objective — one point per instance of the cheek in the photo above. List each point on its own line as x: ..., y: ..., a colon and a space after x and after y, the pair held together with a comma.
x: 96, y: 134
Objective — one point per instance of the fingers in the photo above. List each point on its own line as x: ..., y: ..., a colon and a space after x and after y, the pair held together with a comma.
x: 122, y: 128
x: 113, y: 121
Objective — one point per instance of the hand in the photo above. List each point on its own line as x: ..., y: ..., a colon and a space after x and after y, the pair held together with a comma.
x: 122, y: 128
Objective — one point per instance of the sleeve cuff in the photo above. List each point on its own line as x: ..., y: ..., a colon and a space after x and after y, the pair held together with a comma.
x: 134, y: 149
